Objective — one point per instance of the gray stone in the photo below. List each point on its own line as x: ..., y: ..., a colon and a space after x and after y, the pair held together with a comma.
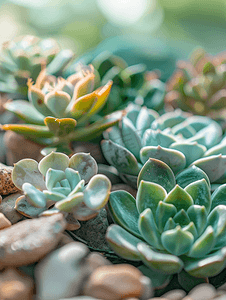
x: 203, y: 291
x: 174, y: 295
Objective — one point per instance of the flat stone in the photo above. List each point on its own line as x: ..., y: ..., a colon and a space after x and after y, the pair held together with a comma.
x: 7, y: 207
x: 15, y: 285
x: 6, y: 184
x: 30, y: 240
x: 114, y: 282
x: 203, y: 291
x: 175, y: 295
x: 61, y: 273
x: 4, y: 222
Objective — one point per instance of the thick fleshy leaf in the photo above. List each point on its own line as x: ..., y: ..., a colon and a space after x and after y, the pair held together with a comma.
x: 123, y: 243
x: 84, y: 85
x: 170, y: 119
x: 181, y: 218
x: 60, y: 127
x: 57, y: 102
x: 78, y: 188
x: 70, y: 203
x: 34, y: 196
x: 119, y: 157
x: 163, y: 213
x: 185, y: 129
x: 54, y: 160
x: 84, y: 213
x: 157, y: 138
x: 192, y: 229
x: 54, y: 196
x: 190, y: 175
x: 85, y: 164
x: 198, y: 216
x: 29, y: 131
x: 218, y: 149
x: 27, y: 209
x: 200, y: 193
x: 173, y: 158
x: 25, y: 111
x: 170, y: 224
x: 214, y: 166
x: 97, y: 192
x: 207, y: 267
x: 158, y: 279
x: 73, y: 177
x: 144, y: 120
x: 149, y: 195
x: 26, y: 170
x: 161, y: 262
x: 114, y: 134
x: 60, y: 61
x: 177, y: 241
x: 149, y: 230
x: 192, y: 151
x: 122, y: 207
x: 219, y: 196
x: 204, y: 244
x: 52, y: 177
x: 179, y: 198
x: 62, y: 190
x: 158, y: 172
x: 130, y: 137
x: 188, y: 282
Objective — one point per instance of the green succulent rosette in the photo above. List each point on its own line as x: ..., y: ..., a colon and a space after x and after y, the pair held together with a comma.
x: 59, y: 111
x: 130, y: 83
x: 61, y: 184
x: 176, y: 138
x: 24, y: 57
x: 171, y: 228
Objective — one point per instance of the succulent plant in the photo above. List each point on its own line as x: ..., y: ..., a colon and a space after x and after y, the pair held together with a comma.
x: 130, y: 83
x: 64, y: 187
x: 24, y: 57
x: 172, y: 228
x: 176, y: 138
x: 59, y: 110
x: 199, y: 86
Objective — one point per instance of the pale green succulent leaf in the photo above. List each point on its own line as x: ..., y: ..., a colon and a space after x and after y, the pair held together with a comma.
x: 192, y: 229
x: 34, y: 196
x: 70, y: 202
x: 198, y: 216
x: 57, y: 102
x: 190, y: 175
x: 218, y: 149
x: 149, y: 194
x: 60, y: 127
x: 78, y: 188
x: 144, y: 120
x: 114, y: 134
x: 123, y: 243
x: 176, y: 241
x: 62, y: 190
x: 60, y: 61
x: 158, y: 279
x: 97, y: 192
x: 160, y: 262
x: 26, y: 170
x: 204, y: 244
x: 173, y: 158
x: 54, y: 196
x: 149, y: 230
x: 219, y: 196
x: 181, y: 218
x: 179, y: 198
x: 122, y: 207
x: 164, y: 212
x: 65, y: 183
x: 169, y: 119
x: 52, y: 177
x: 170, y: 224
x: 85, y: 164
x: 119, y: 157
x: 191, y: 151
x: 25, y: 208
x: 36, y: 97
x: 73, y: 177
x: 185, y: 129
x: 158, y: 172
x: 157, y: 138
x: 188, y: 282
x: 54, y: 160
x: 200, y: 193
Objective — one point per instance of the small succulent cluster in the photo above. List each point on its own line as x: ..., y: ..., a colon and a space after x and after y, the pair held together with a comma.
x: 59, y: 111
x: 171, y: 228
x: 176, y: 138
x: 24, y: 57
x: 64, y: 187
x: 130, y: 83
x: 199, y: 86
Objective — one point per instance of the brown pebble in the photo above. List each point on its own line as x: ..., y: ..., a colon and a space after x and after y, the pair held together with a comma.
x: 114, y: 282
x: 7, y: 208
x: 30, y: 240
x: 158, y: 298
x: 204, y: 291
x: 96, y: 260
x: 14, y: 285
x: 174, y: 295
x: 4, y: 222
x: 6, y: 184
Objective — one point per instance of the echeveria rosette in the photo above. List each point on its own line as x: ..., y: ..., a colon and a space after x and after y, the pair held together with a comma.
x: 69, y: 185
x: 23, y: 58
x: 130, y: 83
x: 59, y: 111
x: 170, y: 231
x: 177, y: 138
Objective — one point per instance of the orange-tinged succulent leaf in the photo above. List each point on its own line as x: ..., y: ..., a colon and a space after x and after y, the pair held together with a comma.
x: 60, y: 127
x: 29, y: 130
x: 84, y: 86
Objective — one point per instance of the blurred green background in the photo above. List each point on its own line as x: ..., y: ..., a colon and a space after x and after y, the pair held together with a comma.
x: 152, y: 28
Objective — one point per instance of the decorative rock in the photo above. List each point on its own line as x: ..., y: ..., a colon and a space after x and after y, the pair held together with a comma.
x: 65, y: 239
x: 80, y: 298
x: 6, y: 184
x: 7, y: 208
x: 158, y: 298
x: 115, y: 282
x: 174, y: 295
x: 30, y: 240
x: 61, y: 273
x: 96, y: 260
x: 15, y: 285
x: 4, y: 222
x: 203, y: 291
